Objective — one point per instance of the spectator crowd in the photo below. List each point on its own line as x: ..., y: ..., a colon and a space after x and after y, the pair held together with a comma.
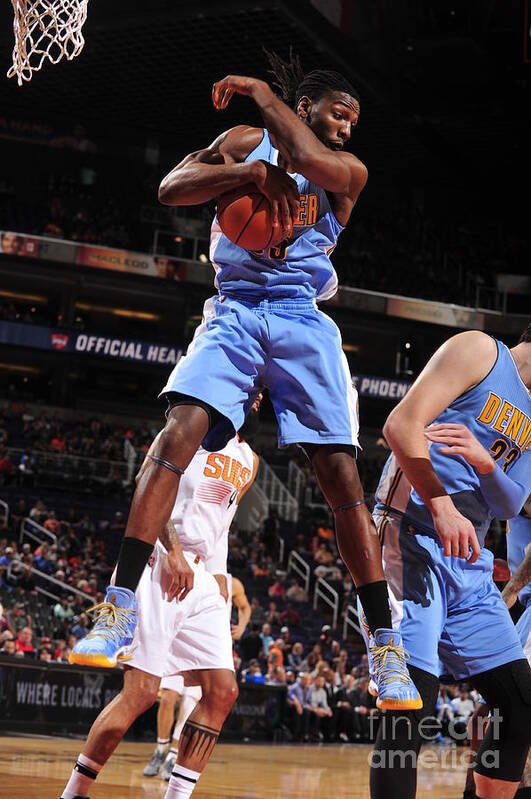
x: 46, y: 588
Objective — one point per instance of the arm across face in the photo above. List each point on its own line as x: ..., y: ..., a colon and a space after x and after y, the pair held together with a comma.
x: 337, y: 172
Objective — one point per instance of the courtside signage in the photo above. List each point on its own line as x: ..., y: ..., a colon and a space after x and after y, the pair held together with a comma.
x: 87, y: 343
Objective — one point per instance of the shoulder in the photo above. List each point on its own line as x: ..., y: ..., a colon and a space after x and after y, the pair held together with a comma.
x: 354, y: 163
x: 472, y: 348
x: 472, y: 341
x: 239, y: 141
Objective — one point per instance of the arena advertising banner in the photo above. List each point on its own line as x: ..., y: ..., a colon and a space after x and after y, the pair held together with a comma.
x: 69, y: 252
x: 152, y: 354
x: 89, y: 344
x: 437, y: 313
x: 380, y: 387
x: 53, y: 697
x: 62, y: 699
x: 258, y: 712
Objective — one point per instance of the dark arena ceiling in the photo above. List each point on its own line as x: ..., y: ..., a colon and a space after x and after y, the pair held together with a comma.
x: 432, y: 74
x: 151, y: 64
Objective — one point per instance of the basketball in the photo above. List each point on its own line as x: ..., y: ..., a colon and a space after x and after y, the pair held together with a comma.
x: 244, y: 216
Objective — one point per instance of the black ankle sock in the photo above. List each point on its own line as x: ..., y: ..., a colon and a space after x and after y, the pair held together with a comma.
x: 375, y: 601
x: 134, y: 554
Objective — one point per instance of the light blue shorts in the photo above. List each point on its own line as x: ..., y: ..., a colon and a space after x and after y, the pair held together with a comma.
x: 289, y: 347
x: 450, y: 613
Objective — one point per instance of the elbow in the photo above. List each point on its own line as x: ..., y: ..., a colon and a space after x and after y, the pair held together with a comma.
x: 511, y: 509
x: 170, y: 190
x: 390, y: 427
x: 164, y: 194
x: 505, y: 511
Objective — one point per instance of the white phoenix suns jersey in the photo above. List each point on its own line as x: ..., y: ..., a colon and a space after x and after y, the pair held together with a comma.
x: 207, y: 500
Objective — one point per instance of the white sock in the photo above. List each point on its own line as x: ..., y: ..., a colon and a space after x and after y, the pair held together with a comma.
x: 186, y: 706
x: 182, y: 782
x: 162, y: 745
x: 82, y: 778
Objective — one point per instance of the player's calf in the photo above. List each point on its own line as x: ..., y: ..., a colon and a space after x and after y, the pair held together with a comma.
x: 157, y: 484
x: 201, y: 731
x: 502, y: 755
x: 137, y: 695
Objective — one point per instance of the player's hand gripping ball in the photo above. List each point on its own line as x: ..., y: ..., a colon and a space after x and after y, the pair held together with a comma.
x: 246, y: 218
x: 260, y: 214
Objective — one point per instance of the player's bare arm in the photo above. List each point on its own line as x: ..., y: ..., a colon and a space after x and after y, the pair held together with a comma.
x: 241, y: 603
x: 339, y: 173
x: 182, y: 574
x: 507, y: 501
x: 457, y: 366
x: 519, y: 580
x: 221, y: 167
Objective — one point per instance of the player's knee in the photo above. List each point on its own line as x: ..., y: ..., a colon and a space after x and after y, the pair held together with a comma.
x: 177, y: 443
x: 222, y: 692
x: 140, y: 690
x: 336, y: 472
x: 168, y: 699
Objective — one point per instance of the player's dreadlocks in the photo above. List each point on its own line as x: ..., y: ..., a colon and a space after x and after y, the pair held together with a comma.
x: 290, y: 80
x: 526, y: 335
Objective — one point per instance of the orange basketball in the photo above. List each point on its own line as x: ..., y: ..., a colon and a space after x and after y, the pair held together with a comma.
x: 244, y: 216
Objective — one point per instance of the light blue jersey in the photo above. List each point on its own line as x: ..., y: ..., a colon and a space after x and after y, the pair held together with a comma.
x: 498, y: 412
x: 298, y: 269
x: 264, y: 330
x: 448, y: 610
x: 518, y: 542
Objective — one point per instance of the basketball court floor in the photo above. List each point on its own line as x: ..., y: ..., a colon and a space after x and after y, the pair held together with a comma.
x: 38, y: 768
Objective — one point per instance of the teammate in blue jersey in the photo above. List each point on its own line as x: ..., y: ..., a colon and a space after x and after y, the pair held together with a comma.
x: 264, y: 329
x: 460, y: 456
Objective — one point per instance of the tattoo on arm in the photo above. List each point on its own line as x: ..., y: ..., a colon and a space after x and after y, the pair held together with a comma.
x: 522, y: 575
x: 197, y: 740
x: 169, y: 537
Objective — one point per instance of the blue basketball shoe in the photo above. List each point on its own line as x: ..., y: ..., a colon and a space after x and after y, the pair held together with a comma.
x: 110, y: 639
x: 396, y: 689
x: 369, y: 644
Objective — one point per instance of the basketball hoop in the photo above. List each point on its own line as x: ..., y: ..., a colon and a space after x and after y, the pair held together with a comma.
x: 45, y: 29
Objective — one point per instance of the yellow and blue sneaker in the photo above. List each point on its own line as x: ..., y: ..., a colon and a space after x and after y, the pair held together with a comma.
x: 369, y: 642
x: 396, y: 689
x: 110, y: 639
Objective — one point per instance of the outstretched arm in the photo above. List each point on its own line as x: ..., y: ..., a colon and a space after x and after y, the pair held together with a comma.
x: 336, y: 172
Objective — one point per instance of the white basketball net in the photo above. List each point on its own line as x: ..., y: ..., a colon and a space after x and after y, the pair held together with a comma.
x: 45, y: 29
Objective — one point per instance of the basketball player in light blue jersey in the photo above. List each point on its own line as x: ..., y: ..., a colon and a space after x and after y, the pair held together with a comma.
x: 461, y: 455
x: 264, y: 329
